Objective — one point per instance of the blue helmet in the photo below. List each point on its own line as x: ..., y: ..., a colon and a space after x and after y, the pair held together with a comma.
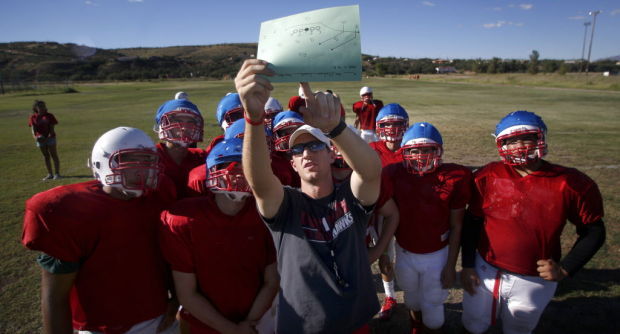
x: 227, y: 150
x: 229, y: 110
x: 422, y: 147
x: 179, y: 121
x: 283, y: 126
x: 391, y: 123
x: 522, y: 124
x: 223, y: 169
x: 235, y: 130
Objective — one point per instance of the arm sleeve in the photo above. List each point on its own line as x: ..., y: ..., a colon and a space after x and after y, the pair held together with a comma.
x: 469, y: 239
x: 462, y: 193
x: 176, y: 243
x: 57, y: 266
x: 591, y: 238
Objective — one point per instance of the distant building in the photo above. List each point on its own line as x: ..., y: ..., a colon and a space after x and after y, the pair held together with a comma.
x: 441, y: 61
x: 445, y: 69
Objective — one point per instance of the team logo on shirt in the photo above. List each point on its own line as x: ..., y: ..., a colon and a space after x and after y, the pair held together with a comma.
x: 327, y: 228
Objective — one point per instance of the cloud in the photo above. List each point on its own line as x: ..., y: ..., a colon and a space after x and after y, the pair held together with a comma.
x: 615, y: 12
x: 526, y: 6
x: 135, y: 0
x: 428, y: 3
x: 90, y: 3
x: 578, y: 17
x: 497, y: 9
x: 500, y: 24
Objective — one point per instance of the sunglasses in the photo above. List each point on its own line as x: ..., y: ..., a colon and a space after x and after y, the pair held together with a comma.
x: 313, y: 146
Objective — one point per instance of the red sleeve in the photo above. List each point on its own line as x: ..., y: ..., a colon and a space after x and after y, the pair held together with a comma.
x: 50, y: 229
x: 379, y: 104
x: 356, y: 107
x: 462, y: 190
x: 175, y: 241
x: 586, y: 202
x: 295, y: 102
x: 270, y: 252
x: 31, y: 119
x: 196, y: 182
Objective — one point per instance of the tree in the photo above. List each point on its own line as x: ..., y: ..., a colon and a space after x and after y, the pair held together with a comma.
x: 533, y: 68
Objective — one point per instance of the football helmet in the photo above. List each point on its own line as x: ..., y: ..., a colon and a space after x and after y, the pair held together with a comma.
x: 339, y: 162
x: 181, y: 96
x: 224, y: 172
x: 229, y: 110
x: 180, y: 122
x: 126, y: 158
x: 284, y: 124
x: 521, y: 125
x: 391, y: 123
x: 422, y: 147
x: 237, y: 130
x: 365, y: 90
x: 272, y: 108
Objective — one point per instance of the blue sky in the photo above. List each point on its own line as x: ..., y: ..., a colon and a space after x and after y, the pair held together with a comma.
x: 414, y: 29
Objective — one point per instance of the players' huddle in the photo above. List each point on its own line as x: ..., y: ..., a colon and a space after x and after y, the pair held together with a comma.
x: 273, y: 226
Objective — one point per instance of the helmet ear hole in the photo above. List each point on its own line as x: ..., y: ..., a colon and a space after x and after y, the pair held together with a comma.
x: 97, y: 164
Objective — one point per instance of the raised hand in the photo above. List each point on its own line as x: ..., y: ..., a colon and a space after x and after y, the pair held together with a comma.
x: 254, y: 89
x: 323, y: 109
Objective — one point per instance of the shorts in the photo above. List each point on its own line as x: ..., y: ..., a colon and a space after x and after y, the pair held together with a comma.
x: 49, y: 141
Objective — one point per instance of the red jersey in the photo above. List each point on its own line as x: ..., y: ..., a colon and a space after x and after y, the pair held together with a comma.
x: 196, y: 182
x: 122, y: 278
x: 524, y: 216
x: 282, y: 168
x: 42, y: 124
x: 425, y: 203
x: 179, y: 174
x: 367, y: 113
x: 385, y: 154
x: 226, y: 253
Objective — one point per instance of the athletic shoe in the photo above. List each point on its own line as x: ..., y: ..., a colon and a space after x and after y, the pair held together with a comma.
x: 388, y: 307
x: 48, y: 177
x: 57, y: 176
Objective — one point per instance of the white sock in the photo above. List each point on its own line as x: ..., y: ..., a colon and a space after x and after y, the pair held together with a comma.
x: 389, y: 289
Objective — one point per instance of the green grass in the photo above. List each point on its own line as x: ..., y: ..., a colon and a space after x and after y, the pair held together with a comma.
x: 583, y: 133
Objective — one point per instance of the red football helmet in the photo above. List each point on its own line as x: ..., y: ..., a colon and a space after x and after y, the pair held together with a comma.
x: 181, y: 126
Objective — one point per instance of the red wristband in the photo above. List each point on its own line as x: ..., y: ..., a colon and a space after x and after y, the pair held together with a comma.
x: 261, y: 121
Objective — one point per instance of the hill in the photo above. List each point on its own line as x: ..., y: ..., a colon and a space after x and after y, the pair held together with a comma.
x: 23, y: 62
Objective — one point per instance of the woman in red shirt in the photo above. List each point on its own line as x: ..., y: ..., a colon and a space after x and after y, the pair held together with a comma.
x: 42, y: 124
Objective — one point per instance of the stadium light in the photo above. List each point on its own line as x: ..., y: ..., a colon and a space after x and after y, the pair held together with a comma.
x: 583, y: 48
x: 593, y: 14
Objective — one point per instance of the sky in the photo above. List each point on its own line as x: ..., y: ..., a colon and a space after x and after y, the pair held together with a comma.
x: 389, y: 28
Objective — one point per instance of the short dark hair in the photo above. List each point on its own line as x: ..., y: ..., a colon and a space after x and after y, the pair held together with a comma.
x: 38, y: 104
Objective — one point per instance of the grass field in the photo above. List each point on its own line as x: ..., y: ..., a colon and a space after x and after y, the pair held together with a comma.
x: 584, y: 129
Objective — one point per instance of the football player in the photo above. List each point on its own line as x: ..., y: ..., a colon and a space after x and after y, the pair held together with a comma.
x: 225, y: 232
x: 431, y: 197
x: 391, y: 123
x: 284, y: 124
x: 272, y: 108
x: 517, y: 213
x: 366, y: 111
x: 102, y: 270
x: 179, y: 124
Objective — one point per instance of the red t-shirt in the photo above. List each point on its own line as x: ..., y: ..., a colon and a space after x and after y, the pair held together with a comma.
x: 524, y: 216
x: 228, y: 254
x: 179, y: 174
x: 425, y: 202
x: 367, y: 113
x: 385, y: 154
x: 122, y: 279
x: 43, y: 124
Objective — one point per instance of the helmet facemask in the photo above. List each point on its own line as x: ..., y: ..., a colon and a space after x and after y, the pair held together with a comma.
x: 422, y: 158
x: 231, y: 116
x: 181, y: 127
x: 391, y: 129
x: 133, y: 171
x: 281, y: 134
x: 532, y: 148
x: 228, y: 178
x: 339, y: 162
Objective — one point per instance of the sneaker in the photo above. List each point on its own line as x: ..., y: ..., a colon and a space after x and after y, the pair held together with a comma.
x: 57, y: 176
x: 48, y: 177
x: 388, y: 307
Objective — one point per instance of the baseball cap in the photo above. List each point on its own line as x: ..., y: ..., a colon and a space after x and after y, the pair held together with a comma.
x: 365, y: 90
x: 316, y: 133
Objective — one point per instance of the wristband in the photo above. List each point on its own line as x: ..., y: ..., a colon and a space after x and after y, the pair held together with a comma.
x: 335, y: 132
x: 261, y: 121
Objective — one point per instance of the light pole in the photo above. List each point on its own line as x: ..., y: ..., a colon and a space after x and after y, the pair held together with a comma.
x: 583, y: 48
x: 593, y: 14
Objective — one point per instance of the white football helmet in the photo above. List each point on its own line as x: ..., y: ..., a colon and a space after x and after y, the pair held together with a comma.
x: 126, y: 158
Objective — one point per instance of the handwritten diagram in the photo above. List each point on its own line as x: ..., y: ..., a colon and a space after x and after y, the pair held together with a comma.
x: 322, y: 45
